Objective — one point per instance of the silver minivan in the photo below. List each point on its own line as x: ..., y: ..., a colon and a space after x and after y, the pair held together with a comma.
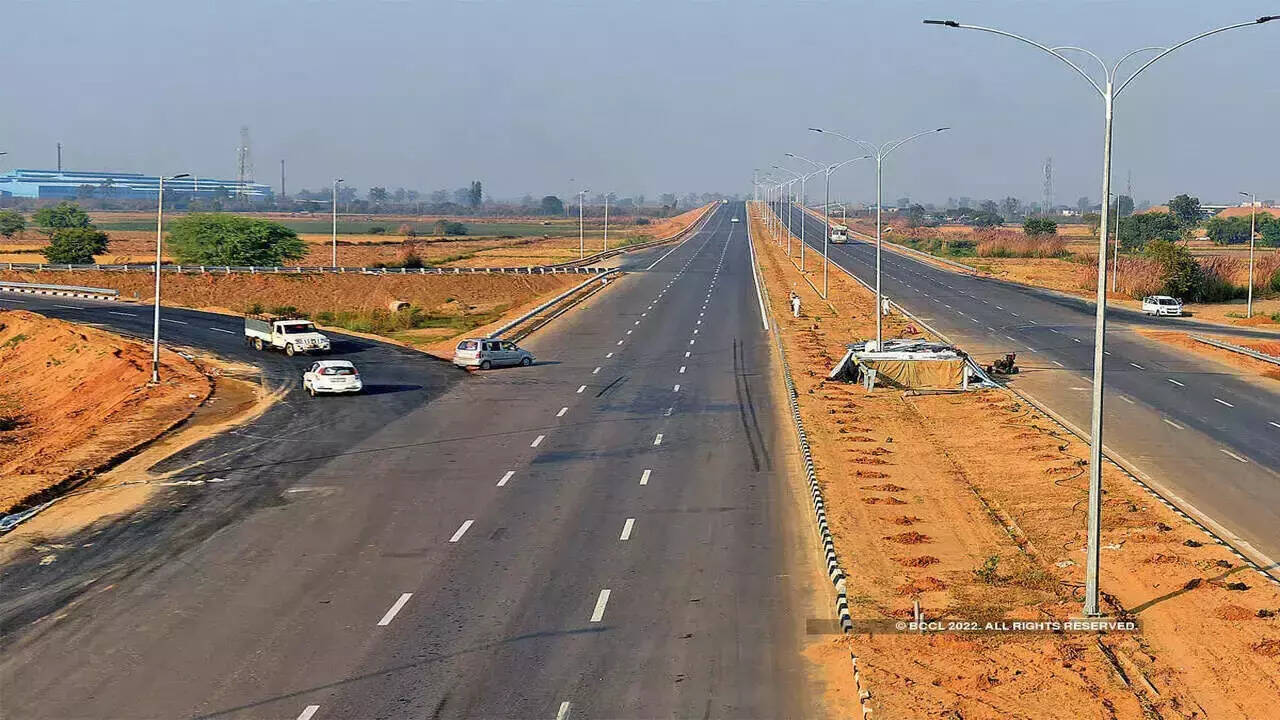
x: 485, y: 353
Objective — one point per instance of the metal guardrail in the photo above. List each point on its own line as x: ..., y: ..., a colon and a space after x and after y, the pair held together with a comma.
x: 641, y: 246
x: 301, y: 269
x: 525, y: 317
x: 1237, y: 349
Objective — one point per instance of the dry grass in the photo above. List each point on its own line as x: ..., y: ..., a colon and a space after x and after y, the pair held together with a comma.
x: 1008, y: 243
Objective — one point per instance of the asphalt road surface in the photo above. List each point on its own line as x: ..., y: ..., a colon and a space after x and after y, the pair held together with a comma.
x: 1201, y: 429
x: 613, y: 532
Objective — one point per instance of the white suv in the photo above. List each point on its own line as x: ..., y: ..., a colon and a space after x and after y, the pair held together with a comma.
x: 1161, y: 305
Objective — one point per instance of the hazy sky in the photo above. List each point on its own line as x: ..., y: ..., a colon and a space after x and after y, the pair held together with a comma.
x: 646, y: 97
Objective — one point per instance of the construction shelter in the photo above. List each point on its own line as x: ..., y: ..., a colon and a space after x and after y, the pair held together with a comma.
x: 909, y: 364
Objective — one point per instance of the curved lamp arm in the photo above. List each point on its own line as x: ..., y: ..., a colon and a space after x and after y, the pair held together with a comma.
x: 1149, y: 63
x: 1032, y: 43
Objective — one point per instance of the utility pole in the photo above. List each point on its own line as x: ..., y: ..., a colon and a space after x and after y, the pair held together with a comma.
x: 59, y: 157
x: 282, y: 195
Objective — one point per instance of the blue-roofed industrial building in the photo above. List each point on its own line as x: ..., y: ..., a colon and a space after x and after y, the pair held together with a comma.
x: 68, y: 185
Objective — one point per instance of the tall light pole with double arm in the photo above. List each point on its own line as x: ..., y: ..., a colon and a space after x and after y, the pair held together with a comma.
x: 155, y: 320
x: 826, y: 216
x: 1108, y: 91
x: 797, y: 177
x: 582, y: 248
x: 879, y: 152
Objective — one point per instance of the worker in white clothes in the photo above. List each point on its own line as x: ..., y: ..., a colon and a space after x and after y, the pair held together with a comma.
x: 795, y: 305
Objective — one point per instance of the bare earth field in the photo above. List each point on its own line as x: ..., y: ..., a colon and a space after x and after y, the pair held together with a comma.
x: 973, y: 505
x: 455, y: 304
x: 76, y: 397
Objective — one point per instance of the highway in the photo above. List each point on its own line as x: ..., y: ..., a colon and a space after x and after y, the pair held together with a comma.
x: 1199, y: 428
x: 616, y: 531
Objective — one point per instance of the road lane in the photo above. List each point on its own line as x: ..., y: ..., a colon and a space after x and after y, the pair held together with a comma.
x: 281, y: 593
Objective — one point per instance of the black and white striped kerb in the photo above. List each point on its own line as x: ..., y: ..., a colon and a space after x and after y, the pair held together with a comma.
x: 104, y: 295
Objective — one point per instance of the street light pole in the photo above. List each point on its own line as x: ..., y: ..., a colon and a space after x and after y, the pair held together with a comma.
x: 827, y: 170
x: 606, y: 222
x: 582, y: 249
x: 1253, y: 224
x: 334, y: 262
x: 879, y: 153
x: 155, y: 320
x: 1108, y: 91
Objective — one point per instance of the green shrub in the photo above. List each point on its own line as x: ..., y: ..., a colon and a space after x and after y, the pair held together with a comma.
x: 217, y: 239
x: 62, y: 215
x: 377, y: 230
x: 642, y: 221
x: 11, y: 223
x: 75, y: 245
x: 1034, y: 227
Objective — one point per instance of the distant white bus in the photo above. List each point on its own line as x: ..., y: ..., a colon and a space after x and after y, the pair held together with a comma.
x: 839, y: 234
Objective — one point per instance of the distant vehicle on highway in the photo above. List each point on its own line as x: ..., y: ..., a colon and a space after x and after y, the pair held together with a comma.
x: 332, y: 376
x: 734, y: 220
x: 292, y: 335
x: 485, y: 353
x: 1161, y: 305
x: 839, y: 234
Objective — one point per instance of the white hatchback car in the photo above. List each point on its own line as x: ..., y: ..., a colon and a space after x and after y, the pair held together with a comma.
x: 1161, y: 305
x: 332, y: 376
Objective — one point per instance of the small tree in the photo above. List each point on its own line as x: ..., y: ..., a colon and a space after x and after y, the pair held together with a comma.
x: 11, y: 223
x: 1038, y: 227
x: 1180, y: 272
x: 1186, y: 209
x: 1269, y: 232
x: 216, y: 239
x: 62, y: 215
x: 75, y: 245
x: 1136, y: 231
x: 985, y: 219
x: 551, y: 205
x: 1093, y: 220
x: 1228, y: 231
x: 475, y: 194
x: 447, y: 227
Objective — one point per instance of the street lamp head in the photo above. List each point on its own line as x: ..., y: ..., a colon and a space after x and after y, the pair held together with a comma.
x: 949, y: 23
x: 1268, y: 18
x: 337, y: 180
x: 941, y: 129
x: 1244, y: 193
x: 816, y: 129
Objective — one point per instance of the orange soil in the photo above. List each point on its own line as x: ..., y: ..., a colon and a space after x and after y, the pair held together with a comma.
x: 983, y: 475
x: 1243, y: 362
x: 79, y: 397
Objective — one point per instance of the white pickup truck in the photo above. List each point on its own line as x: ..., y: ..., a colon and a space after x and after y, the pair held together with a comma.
x: 293, y: 335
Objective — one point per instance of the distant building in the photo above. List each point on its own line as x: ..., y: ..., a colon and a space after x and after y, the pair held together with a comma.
x: 68, y: 185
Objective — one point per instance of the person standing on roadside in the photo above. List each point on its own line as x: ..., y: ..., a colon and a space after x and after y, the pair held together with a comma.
x: 795, y: 304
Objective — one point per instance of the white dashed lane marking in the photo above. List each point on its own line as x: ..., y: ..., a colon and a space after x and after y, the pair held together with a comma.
x: 598, y: 613
x: 509, y: 474
x: 626, y: 529
x: 581, y: 388
x: 1175, y: 382
x: 537, y: 441
x: 462, y: 530
x: 308, y: 712
x: 658, y: 440
x: 391, y: 612
x: 644, y: 477
x: 563, y: 410
x: 1224, y: 402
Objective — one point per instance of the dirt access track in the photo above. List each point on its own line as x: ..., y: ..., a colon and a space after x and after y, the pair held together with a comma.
x: 973, y: 505
x: 75, y: 399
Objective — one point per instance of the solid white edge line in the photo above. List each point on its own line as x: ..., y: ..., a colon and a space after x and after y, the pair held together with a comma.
x: 1232, y: 455
x: 598, y: 614
x: 307, y: 712
x: 764, y: 320
x: 509, y: 474
x: 391, y: 613
x: 626, y: 529
x: 462, y: 530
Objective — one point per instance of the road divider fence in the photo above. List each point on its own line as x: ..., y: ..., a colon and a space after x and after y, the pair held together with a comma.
x: 1237, y: 349
x: 305, y: 270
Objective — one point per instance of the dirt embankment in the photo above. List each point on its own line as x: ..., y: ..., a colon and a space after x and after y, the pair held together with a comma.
x: 974, y: 505
x: 74, y: 398
x: 442, y: 305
